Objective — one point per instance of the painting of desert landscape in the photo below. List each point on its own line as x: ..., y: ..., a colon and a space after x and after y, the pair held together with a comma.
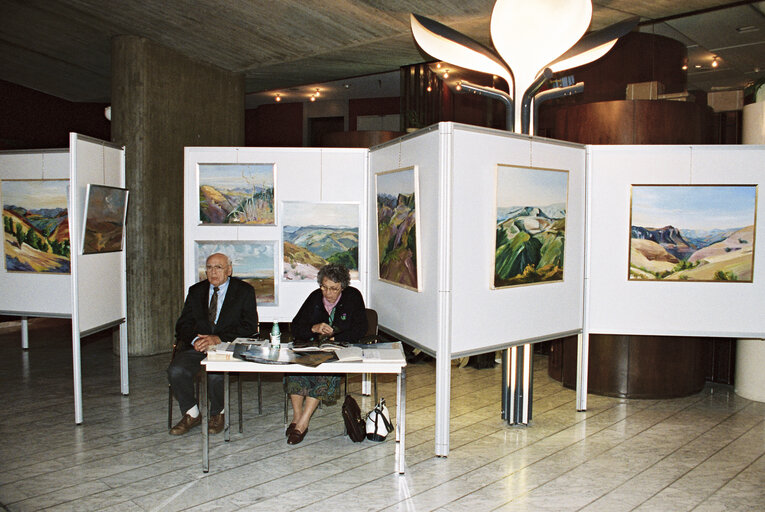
x: 530, y: 225
x: 104, y: 219
x: 236, y: 194
x: 253, y: 262
x: 692, y: 232
x: 315, y: 234
x: 397, y: 219
x: 36, y: 225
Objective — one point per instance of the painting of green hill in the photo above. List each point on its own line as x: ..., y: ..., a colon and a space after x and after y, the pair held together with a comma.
x: 397, y: 219
x: 315, y: 234
x: 36, y: 225
x: 531, y: 225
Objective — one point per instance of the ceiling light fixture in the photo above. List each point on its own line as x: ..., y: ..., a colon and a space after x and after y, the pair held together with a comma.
x: 278, y: 98
x: 317, y: 92
x: 714, y: 62
x: 685, y: 67
x: 429, y: 89
x: 446, y: 74
x: 313, y: 98
x: 697, y: 66
x: 746, y: 28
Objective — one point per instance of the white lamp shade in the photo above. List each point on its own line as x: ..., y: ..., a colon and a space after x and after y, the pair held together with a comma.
x: 448, y: 50
x: 530, y: 34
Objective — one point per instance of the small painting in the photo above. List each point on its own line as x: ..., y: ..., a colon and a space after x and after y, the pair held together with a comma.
x: 315, y: 234
x: 692, y: 233
x: 105, y: 210
x: 253, y: 262
x: 36, y: 225
x: 531, y: 225
x: 397, y: 220
x: 236, y: 194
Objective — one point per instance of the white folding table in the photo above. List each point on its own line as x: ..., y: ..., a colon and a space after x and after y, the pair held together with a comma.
x: 389, y: 365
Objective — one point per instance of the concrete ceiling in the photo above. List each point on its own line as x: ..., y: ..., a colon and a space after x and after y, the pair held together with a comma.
x: 62, y: 47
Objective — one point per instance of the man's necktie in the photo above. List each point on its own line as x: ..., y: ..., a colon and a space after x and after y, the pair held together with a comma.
x: 212, y: 311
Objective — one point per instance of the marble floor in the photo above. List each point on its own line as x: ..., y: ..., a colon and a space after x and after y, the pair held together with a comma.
x: 705, y: 452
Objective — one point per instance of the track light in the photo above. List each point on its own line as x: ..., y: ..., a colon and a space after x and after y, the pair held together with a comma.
x: 278, y: 98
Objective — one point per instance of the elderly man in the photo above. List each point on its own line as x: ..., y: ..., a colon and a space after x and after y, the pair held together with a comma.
x: 220, y: 308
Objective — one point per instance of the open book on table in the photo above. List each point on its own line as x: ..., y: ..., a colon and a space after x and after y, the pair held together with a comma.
x: 224, y: 351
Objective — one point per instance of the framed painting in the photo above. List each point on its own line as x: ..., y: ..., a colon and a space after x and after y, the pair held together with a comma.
x: 398, y: 246
x: 236, y: 194
x: 105, y: 210
x: 692, y: 233
x: 314, y: 234
x: 254, y: 262
x: 36, y: 225
x: 530, y: 232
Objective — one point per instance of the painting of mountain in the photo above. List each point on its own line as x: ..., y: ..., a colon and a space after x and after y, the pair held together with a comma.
x: 692, y: 233
x: 104, y: 219
x: 36, y: 225
x: 531, y: 225
x: 315, y: 234
x: 397, y: 220
x: 236, y: 194
x: 253, y: 262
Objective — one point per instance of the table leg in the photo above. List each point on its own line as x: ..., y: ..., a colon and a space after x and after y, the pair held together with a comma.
x: 204, y: 409
x: 226, y: 408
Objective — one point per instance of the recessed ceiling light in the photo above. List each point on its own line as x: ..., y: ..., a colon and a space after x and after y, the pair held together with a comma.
x: 697, y: 66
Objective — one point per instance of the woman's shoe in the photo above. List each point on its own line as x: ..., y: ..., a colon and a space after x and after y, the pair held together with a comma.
x: 296, y: 436
x: 289, y: 430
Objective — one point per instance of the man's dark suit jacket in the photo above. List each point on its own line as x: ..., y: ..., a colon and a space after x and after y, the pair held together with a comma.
x: 350, y: 316
x: 238, y: 316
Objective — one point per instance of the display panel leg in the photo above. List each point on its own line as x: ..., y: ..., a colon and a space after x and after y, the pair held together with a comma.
x: 401, y: 421
x: 366, y: 384
x: 582, y: 364
x: 443, y: 396
x: 24, y: 333
x: 77, y: 374
x: 124, y: 377
x: 204, y: 410
x: 505, y: 382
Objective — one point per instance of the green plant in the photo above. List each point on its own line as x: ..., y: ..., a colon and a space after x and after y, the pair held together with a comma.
x: 751, y: 90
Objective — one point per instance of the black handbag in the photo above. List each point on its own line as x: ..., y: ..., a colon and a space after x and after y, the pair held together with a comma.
x: 354, y: 425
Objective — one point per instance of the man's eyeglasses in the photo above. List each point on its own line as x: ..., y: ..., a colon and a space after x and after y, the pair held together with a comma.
x: 331, y: 288
x: 217, y: 268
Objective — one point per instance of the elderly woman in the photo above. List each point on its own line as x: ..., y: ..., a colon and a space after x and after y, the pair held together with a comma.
x: 335, y: 308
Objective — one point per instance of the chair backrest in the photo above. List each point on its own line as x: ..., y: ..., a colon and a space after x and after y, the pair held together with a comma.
x: 371, y: 322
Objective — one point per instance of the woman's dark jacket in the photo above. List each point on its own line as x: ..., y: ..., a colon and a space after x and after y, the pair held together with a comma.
x: 350, y: 316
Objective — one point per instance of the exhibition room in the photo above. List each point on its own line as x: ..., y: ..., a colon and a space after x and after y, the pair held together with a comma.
x: 382, y: 255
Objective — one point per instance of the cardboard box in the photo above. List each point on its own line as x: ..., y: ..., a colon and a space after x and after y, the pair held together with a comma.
x: 645, y: 90
x: 726, y: 101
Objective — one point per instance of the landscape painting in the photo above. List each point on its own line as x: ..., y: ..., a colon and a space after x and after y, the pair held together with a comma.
x: 531, y: 225
x: 236, y: 194
x: 104, y: 219
x: 36, y: 225
x: 397, y: 219
x: 315, y: 234
x: 692, y: 232
x: 253, y: 262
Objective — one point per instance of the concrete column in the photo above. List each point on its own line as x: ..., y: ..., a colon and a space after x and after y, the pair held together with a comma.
x: 163, y: 101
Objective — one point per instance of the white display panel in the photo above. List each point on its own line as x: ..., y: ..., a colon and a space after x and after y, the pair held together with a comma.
x: 301, y: 174
x: 619, y: 306
x: 483, y: 317
x: 411, y: 314
x: 29, y: 293
x: 100, y: 277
